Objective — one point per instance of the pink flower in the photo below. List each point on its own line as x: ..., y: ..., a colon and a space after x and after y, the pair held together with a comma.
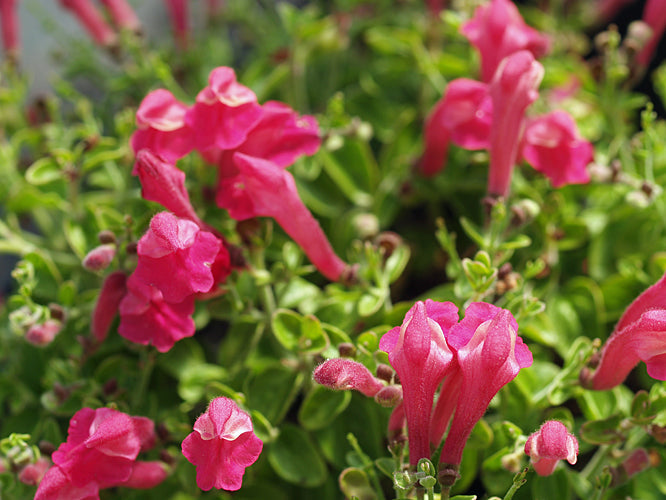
x: 435, y: 7
x: 108, y: 302
x: 553, y: 146
x: 179, y: 20
x: 146, y: 318
x: 607, y: 9
x: 123, y: 15
x: 145, y: 475
x: 222, y: 445
x: 224, y: 113
x: 344, y: 374
x: 92, y: 21
x: 161, y: 126
x: 175, y: 256
x: 420, y: 355
x: 512, y: 90
x: 164, y: 183
x: 550, y: 444
x: 10, y: 27
x: 100, y: 452
x: 654, y: 14
x: 640, y: 335
x: 33, y: 473
x: 99, y: 257
x: 263, y: 189
x: 497, y: 30
x: 463, y: 116
x: 43, y: 334
x: 490, y: 355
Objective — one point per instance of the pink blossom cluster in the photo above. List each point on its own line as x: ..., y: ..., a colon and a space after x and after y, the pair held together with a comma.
x: 101, y: 452
x: 640, y: 335
x: 449, y: 370
x: 490, y: 114
x: 250, y: 144
x: 550, y: 444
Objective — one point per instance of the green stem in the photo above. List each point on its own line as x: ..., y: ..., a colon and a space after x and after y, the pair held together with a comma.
x: 367, y: 464
x: 148, y: 358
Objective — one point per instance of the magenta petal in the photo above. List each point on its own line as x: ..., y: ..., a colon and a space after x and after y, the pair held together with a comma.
x: 55, y: 485
x: 146, y: 475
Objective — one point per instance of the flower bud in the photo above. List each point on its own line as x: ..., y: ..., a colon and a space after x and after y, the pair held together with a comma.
x: 389, y: 396
x: 99, y: 257
x: 42, y: 334
x: 33, y: 473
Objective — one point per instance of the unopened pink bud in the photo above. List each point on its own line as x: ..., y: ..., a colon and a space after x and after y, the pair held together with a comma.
x: 123, y: 15
x: 10, y: 26
x: 389, y: 396
x: 551, y: 443
x: 179, y: 20
x: 345, y: 374
x: 99, y: 257
x: 43, y: 333
x: 113, y: 291
x: 91, y: 19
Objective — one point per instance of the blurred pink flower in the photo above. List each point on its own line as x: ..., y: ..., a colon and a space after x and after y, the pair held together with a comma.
x: 179, y: 20
x: 607, y: 9
x: 112, y: 293
x: 640, y: 335
x: 145, y: 475
x: 146, y: 318
x: 550, y: 444
x: 123, y: 15
x: 512, y: 90
x: 10, y: 27
x: 497, y: 30
x: 92, y: 20
x: 490, y: 354
x: 161, y: 126
x: 420, y: 355
x: 463, y: 116
x: 33, y: 473
x: 222, y: 445
x: 553, y: 146
x: 42, y: 334
x: 224, y: 113
x: 654, y: 14
x: 345, y: 374
x: 99, y: 257
x: 175, y: 256
x: 263, y: 189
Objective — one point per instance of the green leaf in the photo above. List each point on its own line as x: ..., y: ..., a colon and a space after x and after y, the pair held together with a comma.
x: 195, y: 378
x: 371, y: 302
x: 321, y: 406
x: 272, y: 391
x: 43, y: 171
x: 299, y: 333
x: 295, y: 459
x: 605, y: 431
x: 354, y: 483
x: 76, y: 238
x: 354, y: 170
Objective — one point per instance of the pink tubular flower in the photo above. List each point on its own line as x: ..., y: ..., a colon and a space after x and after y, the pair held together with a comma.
x: 175, y: 256
x: 420, y: 355
x: 550, y: 444
x: 92, y: 21
x: 490, y: 355
x: 108, y: 302
x: 654, y: 14
x: 146, y: 318
x: 640, y: 335
x: 497, y: 30
x: 224, y: 113
x: 43, y: 333
x: 552, y: 145
x: 123, y: 15
x: 164, y: 183
x: 100, y: 452
x: 161, y: 126
x: 222, y: 445
x: 271, y: 192
x: 512, y: 90
x: 345, y: 374
x: 179, y: 20
x: 463, y: 116
x: 10, y: 27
